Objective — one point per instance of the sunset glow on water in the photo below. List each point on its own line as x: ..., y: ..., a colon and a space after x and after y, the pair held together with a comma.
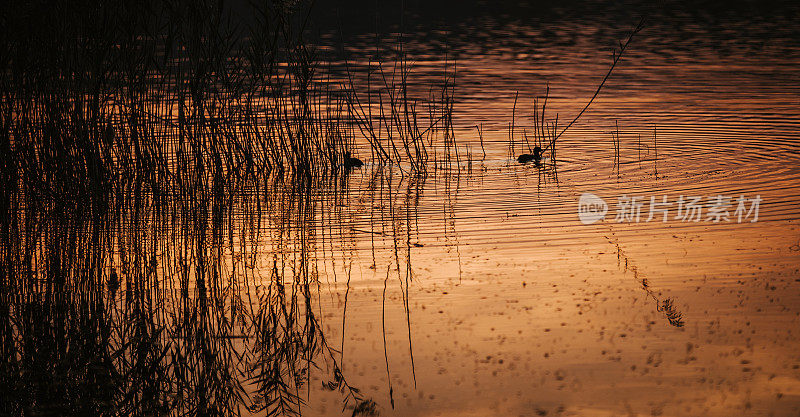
x: 295, y: 209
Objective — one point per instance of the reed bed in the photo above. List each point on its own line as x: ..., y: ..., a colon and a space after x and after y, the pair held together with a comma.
x: 154, y: 154
x: 175, y: 97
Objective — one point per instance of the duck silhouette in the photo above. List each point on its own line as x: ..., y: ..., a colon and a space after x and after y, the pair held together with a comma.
x: 351, y: 162
x: 536, y: 156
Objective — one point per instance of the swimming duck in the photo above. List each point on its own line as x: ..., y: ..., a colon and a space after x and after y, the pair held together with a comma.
x: 350, y: 162
x: 526, y: 157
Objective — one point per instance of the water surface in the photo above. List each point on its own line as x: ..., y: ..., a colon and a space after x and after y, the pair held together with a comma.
x: 472, y: 289
x: 516, y: 307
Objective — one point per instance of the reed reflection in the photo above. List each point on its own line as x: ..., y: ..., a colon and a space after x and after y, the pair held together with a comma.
x: 142, y: 304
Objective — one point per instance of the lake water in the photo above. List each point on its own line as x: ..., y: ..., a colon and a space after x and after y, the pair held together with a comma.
x: 515, y: 306
x: 476, y: 290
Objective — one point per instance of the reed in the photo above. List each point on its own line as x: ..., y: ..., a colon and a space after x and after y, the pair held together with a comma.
x: 146, y: 147
x: 615, y: 138
x: 177, y: 98
x: 547, y: 132
x: 655, y: 150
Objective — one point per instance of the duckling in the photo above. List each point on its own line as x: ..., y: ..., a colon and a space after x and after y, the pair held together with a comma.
x: 526, y: 157
x: 351, y: 162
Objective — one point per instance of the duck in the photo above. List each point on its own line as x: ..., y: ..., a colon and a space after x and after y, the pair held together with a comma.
x: 351, y: 162
x: 536, y: 156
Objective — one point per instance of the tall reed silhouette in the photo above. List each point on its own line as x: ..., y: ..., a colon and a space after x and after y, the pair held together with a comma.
x: 154, y: 154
